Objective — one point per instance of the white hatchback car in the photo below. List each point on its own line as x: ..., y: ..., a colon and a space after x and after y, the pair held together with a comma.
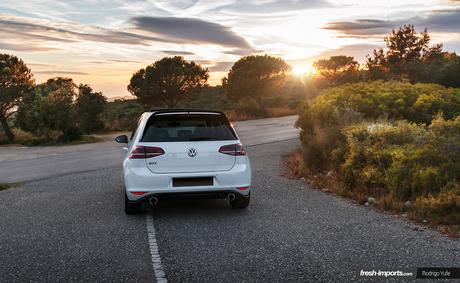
x: 184, y: 152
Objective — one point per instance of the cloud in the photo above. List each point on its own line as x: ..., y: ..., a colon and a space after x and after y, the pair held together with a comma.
x: 16, y: 46
x: 216, y: 66
x: 437, y: 21
x: 177, y: 53
x: 61, y: 72
x: 114, y: 61
x: 25, y: 34
x: 266, y: 7
x: 242, y: 52
x: 39, y: 64
x: 442, y: 20
x: 361, y: 27
x: 357, y: 51
x: 191, y: 30
x: 221, y: 66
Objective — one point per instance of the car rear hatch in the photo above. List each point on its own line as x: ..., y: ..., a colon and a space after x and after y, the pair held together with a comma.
x: 191, y: 142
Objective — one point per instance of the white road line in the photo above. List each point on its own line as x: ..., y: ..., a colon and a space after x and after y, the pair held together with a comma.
x: 154, y: 253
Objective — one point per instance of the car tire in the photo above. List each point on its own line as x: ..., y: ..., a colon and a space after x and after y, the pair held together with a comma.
x: 240, y: 202
x: 132, y: 208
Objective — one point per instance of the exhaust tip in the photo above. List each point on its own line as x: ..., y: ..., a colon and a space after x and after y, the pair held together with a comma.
x: 231, y: 196
x: 153, y: 201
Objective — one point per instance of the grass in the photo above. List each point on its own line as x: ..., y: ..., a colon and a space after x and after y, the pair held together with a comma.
x: 332, y: 182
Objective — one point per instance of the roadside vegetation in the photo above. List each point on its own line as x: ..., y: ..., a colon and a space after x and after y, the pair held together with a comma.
x: 5, y: 186
x: 59, y: 111
x: 256, y: 87
x: 393, y: 143
x: 54, y: 112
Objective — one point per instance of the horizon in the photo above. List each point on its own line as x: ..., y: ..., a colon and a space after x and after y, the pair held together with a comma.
x: 102, y: 43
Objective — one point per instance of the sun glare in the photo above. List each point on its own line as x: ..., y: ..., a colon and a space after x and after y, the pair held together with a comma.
x: 302, y: 70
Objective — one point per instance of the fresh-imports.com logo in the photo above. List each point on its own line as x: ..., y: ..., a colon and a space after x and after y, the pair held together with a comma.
x: 385, y: 273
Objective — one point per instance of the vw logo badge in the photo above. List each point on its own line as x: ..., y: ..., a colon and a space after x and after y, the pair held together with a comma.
x: 192, y: 152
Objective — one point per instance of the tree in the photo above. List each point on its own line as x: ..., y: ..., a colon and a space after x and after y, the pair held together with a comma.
x: 406, y: 52
x: 89, y: 106
x: 50, y: 111
x: 58, y: 83
x: 338, y: 69
x: 16, y: 81
x: 377, y: 67
x: 168, y: 81
x: 450, y: 73
x: 255, y: 77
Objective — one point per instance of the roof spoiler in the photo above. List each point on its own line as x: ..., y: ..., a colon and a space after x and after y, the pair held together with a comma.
x: 187, y: 110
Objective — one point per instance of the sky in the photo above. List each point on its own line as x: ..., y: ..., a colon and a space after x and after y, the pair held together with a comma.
x: 103, y: 42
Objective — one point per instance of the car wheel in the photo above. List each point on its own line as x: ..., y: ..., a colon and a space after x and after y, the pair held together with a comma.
x: 132, y: 208
x: 240, y: 202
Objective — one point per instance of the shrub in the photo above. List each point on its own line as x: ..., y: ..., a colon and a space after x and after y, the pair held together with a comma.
x: 122, y: 115
x: 408, y: 154
x: 249, y: 108
x: 322, y: 119
x: 49, y: 110
x: 89, y: 105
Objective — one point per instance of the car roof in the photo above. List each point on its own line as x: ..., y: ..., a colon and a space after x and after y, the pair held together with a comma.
x: 185, y: 111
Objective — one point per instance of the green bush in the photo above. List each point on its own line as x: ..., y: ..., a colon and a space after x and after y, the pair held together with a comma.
x: 402, y: 145
x: 44, y: 114
x: 209, y: 98
x: 122, y: 115
x: 402, y: 159
x: 322, y: 119
x: 249, y: 108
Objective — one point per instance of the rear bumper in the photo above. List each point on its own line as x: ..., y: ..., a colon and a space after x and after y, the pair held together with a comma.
x: 161, y: 185
x: 189, y: 195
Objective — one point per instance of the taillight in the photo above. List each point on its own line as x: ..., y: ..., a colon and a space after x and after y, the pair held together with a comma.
x: 233, y: 149
x: 142, y: 152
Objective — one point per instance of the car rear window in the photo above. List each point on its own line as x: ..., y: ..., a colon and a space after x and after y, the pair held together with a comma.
x: 190, y: 127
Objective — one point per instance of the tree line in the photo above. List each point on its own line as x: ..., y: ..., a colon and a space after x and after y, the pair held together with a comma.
x: 408, y: 57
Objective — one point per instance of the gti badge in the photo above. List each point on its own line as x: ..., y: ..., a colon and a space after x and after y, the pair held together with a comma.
x: 192, y: 152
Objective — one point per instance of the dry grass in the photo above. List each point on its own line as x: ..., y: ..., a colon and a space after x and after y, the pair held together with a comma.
x: 22, y: 137
x: 28, y: 139
x: 327, y: 182
x: 280, y: 111
x: 331, y: 182
x: 234, y: 115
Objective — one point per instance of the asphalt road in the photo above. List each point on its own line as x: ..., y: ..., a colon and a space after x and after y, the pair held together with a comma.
x: 20, y: 163
x: 72, y: 228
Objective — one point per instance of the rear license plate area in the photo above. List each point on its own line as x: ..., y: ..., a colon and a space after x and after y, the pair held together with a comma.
x: 194, y: 181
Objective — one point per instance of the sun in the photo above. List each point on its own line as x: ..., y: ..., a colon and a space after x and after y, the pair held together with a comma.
x: 301, y: 70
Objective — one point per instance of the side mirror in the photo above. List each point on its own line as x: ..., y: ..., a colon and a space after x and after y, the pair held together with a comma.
x: 121, y: 139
